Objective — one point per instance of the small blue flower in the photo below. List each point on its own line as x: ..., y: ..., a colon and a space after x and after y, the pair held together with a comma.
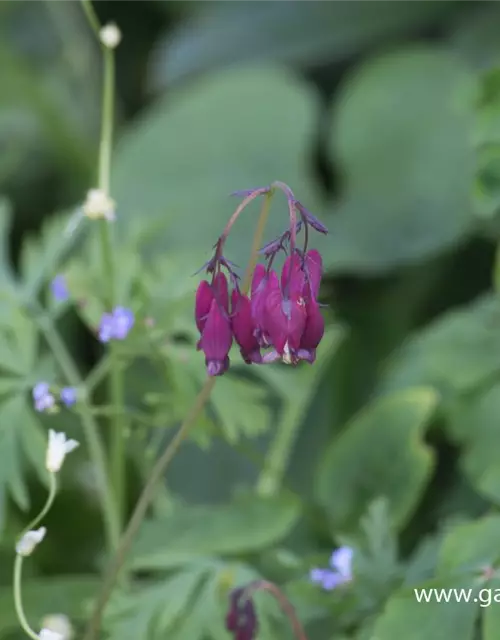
x: 42, y: 397
x: 68, y: 396
x: 116, y: 325
x: 340, y: 570
x: 59, y: 288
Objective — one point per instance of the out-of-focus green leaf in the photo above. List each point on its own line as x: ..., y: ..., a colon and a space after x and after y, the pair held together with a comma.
x: 475, y: 425
x: 242, y: 408
x: 153, y: 610
x: 389, y: 429
x: 471, y: 547
x: 249, y: 524
x: 191, y: 603
x: 223, y: 34
x: 295, y: 388
x: 402, y: 134
x: 20, y: 438
x: 405, y: 617
x: 70, y: 595
x: 456, y: 353
x: 235, y: 130
x: 491, y: 610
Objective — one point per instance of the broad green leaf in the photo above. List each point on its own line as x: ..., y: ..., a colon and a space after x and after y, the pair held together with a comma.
x: 234, y: 130
x: 295, y: 32
x: 70, y: 595
x: 381, y: 453
x: 249, y: 524
x: 402, y: 135
x: 405, y: 617
x: 476, y: 427
x: 455, y: 353
x: 471, y: 546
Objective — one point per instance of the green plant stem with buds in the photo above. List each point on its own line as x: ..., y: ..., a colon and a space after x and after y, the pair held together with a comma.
x: 163, y: 462
x: 90, y: 429
x: 18, y: 562
x: 117, y: 456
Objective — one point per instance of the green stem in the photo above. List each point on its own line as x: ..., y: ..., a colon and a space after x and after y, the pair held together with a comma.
x: 18, y: 563
x: 117, y: 453
x: 161, y: 466
x: 90, y: 429
x: 278, y: 455
x: 18, y: 601
x: 48, y: 504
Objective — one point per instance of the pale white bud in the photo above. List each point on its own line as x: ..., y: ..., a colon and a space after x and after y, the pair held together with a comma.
x: 110, y: 35
x: 47, y: 634
x: 57, y: 449
x: 29, y: 541
x: 99, y: 205
x: 59, y: 624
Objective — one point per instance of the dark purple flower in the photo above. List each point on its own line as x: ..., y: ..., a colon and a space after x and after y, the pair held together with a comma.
x: 42, y: 398
x: 59, y: 288
x: 339, y: 573
x: 284, y: 317
x: 116, y: 325
x: 213, y: 322
x: 68, y: 396
x: 244, y: 328
x: 241, y: 619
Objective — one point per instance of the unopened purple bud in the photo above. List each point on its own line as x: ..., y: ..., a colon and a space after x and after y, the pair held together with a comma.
x: 244, y: 193
x: 68, y: 396
x: 241, y: 619
x: 59, y: 288
x: 204, y: 297
x: 310, y: 219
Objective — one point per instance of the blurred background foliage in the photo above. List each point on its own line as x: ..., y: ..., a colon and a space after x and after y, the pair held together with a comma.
x: 384, y: 118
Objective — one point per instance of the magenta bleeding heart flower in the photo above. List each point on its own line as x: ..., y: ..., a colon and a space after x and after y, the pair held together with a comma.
x: 214, y: 324
x: 281, y: 318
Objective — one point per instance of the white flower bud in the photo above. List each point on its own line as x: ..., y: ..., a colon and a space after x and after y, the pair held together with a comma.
x: 29, y: 541
x: 57, y: 449
x: 59, y: 624
x: 47, y: 634
x: 99, y: 205
x: 110, y: 35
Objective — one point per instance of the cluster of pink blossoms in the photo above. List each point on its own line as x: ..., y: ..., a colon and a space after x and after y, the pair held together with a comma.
x: 281, y: 318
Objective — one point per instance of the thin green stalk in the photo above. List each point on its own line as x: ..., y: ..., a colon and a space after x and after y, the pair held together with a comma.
x: 161, y: 466
x: 18, y: 563
x: 90, y: 429
x: 18, y: 601
x: 47, y: 506
x: 277, y: 457
x: 117, y: 453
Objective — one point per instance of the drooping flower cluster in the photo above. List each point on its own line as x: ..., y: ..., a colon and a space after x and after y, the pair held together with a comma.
x: 340, y: 570
x: 281, y: 318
